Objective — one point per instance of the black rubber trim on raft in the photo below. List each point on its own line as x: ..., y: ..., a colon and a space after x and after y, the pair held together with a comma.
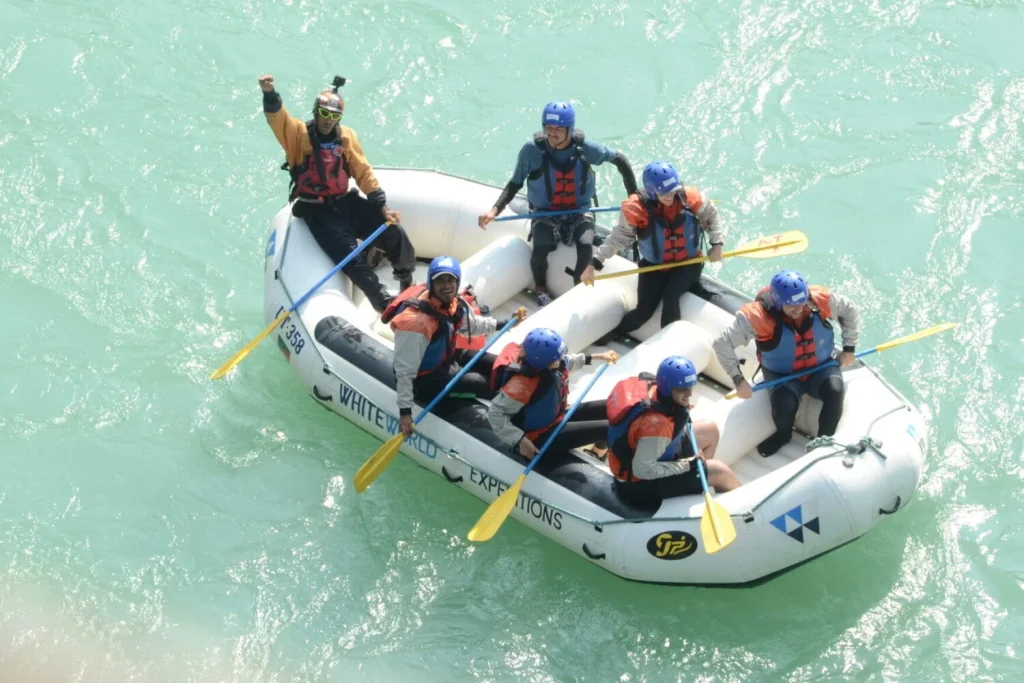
x: 372, y: 357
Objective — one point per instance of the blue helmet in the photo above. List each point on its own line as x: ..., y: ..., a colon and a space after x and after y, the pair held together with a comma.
x: 542, y: 346
x: 660, y: 178
x: 789, y: 288
x: 559, y: 114
x: 675, y: 372
x: 444, y: 265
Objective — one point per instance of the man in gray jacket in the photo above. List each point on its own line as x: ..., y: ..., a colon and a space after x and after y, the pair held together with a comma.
x: 426, y: 320
x: 532, y: 395
x: 789, y: 323
x: 668, y: 223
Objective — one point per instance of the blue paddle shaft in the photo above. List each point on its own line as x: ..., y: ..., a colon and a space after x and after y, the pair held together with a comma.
x: 781, y: 380
x: 566, y: 212
x: 466, y: 368
x: 698, y: 461
x: 344, y: 262
x: 568, y: 415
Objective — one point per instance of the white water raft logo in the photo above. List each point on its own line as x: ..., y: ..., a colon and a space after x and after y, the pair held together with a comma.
x: 368, y: 410
x: 672, y: 545
x: 792, y: 524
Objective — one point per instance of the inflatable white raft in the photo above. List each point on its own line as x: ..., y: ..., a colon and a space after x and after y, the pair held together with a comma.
x: 791, y: 507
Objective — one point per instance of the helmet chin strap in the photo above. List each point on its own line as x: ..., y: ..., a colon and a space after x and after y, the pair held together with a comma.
x: 666, y: 401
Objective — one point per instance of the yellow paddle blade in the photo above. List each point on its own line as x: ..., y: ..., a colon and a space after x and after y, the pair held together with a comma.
x: 372, y: 468
x: 496, y: 513
x: 731, y: 395
x: 716, y: 527
x: 238, y: 357
x: 783, y: 244
x: 917, y: 335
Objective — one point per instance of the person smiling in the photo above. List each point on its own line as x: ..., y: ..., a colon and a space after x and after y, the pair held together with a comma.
x: 426, y: 320
x: 555, y: 164
x: 649, y: 422
x: 666, y: 223
x: 322, y: 156
x: 789, y: 322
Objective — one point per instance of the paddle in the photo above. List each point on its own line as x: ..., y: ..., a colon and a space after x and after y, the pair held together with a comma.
x: 716, y: 527
x: 881, y: 347
x: 238, y: 357
x: 372, y: 468
x: 783, y: 244
x: 566, y: 212
x: 543, y: 214
x: 496, y: 513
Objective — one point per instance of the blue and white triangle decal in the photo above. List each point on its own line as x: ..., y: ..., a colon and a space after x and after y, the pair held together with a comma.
x: 792, y: 523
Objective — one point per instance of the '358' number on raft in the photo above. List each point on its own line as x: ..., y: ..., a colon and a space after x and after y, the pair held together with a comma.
x: 291, y: 333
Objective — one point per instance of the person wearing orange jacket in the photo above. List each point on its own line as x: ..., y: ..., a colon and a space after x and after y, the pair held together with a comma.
x: 789, y: 323
x: 322, y: 157
x: 666, y: 223
x: 650, y: 452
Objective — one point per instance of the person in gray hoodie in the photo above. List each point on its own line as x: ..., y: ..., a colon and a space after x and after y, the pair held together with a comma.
x: 532, y: 395
x: 789, y: 322
x: 666, y: 223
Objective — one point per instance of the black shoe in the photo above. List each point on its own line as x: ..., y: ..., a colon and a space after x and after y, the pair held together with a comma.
x: 381, y: 304
x: 615, y: 335
x: 772, y: 445
x: 405, y: 283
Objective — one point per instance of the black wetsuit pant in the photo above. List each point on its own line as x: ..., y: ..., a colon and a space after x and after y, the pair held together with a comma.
x: 664, y: 287
x: 477, y: 381
x: 825, y: 385
x: 589, y: 424
x: 547, y: 232
x: 336, y: 225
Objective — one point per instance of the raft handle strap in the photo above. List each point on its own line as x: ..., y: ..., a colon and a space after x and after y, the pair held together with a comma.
x: 895, y: 507
x: 454, y: 480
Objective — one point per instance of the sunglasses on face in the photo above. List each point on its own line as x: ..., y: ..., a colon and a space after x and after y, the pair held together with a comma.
x: 328, y: 114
